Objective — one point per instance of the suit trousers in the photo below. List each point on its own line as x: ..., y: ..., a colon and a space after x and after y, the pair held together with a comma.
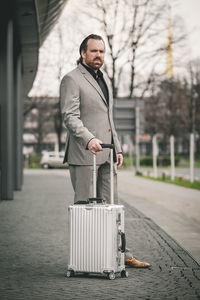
x: 82, y: 182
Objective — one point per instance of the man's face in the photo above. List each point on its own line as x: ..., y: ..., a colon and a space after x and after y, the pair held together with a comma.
x: 94, y: 55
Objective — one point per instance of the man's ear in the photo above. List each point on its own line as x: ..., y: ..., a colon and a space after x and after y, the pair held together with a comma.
x: 83, y: 54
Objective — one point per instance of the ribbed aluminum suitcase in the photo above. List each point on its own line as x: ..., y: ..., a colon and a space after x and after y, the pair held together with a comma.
x: 96, y: 235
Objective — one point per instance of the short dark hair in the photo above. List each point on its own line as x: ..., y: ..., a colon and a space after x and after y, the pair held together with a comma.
x: 83, y: 45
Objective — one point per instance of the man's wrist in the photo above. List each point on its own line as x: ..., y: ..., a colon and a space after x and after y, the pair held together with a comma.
x: 88, y: 142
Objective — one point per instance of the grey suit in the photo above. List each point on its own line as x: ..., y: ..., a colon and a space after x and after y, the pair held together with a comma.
x: 86, y: 115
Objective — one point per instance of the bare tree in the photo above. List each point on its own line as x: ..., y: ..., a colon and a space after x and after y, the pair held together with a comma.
x: 192, y: 81
x: 56, y: 57
x: 135, y: 32
x: 58, y: 123
x: 136, y: 37
x: 194, y: 95
x: 40, y: 115
x: 174, y: 109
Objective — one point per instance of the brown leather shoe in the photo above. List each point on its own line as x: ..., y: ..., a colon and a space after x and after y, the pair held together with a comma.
x: 134, y: 263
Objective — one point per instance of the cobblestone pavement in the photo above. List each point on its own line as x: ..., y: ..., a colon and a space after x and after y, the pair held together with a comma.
x: 33, y: 251
x: 175, y: 209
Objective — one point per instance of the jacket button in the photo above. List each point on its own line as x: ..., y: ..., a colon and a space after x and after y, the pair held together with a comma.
x: 109, y: 130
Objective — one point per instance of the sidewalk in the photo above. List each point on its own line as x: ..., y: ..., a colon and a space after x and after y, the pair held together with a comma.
x: 33, y: 250
x: 175, y: 209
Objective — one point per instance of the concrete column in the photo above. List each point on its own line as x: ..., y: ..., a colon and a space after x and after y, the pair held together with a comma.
x: 6, y: 101
x: 155, y: 155
x: 18, y: 126
x: 172, y: 159
x: 0, y: 144
x: 137, y: 139
x: 130, y: 152
x: 191, y: 157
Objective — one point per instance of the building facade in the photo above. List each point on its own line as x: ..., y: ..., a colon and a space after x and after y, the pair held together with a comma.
x: 24, y: 25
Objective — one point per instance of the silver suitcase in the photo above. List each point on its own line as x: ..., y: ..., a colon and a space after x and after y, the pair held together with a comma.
x: 96, y: 234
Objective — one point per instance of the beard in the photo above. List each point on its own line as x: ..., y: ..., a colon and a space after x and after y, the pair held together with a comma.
x: 95, y: 63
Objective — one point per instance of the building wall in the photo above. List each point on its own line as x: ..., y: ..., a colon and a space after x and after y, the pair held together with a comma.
x: 24, y: 25
x: 11, y: 104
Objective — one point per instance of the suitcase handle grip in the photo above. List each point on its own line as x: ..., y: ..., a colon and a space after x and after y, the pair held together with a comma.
x: 123, y: 242
x: 96, y: 200
x: 110, y: 146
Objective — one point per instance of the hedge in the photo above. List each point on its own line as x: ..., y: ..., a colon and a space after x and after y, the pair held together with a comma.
x: 148, y: 161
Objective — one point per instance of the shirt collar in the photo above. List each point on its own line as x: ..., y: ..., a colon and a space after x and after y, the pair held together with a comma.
x: 91, y: 71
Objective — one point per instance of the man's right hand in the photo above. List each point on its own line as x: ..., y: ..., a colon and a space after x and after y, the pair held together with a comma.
x: 94, y: 145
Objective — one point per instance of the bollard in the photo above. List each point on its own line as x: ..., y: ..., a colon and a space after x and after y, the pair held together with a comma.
x: 163, y: 176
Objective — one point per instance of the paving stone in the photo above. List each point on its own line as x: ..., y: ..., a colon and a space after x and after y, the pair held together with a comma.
x: 34, y: 251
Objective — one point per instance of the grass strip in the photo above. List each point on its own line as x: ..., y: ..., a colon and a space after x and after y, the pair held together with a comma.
x: 177, y: 181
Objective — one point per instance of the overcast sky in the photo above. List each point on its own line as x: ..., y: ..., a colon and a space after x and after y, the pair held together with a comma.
x: 188, y: 10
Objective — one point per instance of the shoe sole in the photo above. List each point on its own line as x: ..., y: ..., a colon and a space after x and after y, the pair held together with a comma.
x: 139, y: 267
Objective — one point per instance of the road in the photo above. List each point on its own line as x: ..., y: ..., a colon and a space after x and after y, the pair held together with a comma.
x: 175, y: 209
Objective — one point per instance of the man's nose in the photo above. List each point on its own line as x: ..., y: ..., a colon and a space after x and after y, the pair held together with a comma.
x: 98, y: 53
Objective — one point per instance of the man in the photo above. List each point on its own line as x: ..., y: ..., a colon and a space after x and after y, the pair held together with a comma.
x: 86, y: 104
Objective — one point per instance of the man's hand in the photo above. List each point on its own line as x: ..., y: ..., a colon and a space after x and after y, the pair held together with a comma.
x: 94, y: 145
x: 119, y: 160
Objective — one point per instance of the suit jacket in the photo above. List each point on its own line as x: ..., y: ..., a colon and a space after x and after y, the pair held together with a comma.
x: 86, y: 115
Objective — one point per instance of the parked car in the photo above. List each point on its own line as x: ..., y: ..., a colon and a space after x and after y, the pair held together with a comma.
x: 52, y: 160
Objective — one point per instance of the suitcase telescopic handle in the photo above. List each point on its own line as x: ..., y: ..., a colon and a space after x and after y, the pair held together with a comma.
x: 111, y: 147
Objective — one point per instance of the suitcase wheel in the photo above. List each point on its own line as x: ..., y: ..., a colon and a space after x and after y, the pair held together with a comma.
x: 124, y: 274
x: 111, y: 276
x: 70, y: 273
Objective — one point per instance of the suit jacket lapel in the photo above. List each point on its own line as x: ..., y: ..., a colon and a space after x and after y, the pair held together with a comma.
x: 92, y: 81
x: 109, y: 88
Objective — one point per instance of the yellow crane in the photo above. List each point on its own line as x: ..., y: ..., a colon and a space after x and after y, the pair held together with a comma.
x: 169, y: 61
